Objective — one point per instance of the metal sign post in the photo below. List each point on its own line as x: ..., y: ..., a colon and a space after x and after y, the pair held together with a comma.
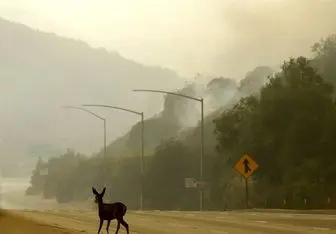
x: 246, y: 166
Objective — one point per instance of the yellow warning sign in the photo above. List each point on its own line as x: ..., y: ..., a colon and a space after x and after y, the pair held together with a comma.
x: 246, y: 166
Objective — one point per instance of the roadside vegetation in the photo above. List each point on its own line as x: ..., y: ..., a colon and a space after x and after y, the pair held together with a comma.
x: 285, y: 120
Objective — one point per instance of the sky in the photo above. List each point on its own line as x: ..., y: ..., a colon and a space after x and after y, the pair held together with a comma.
x: 212, y: 37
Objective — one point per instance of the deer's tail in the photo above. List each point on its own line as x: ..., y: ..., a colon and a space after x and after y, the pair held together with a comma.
x: 124, y: 209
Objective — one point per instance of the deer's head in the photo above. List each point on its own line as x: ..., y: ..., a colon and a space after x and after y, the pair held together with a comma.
x: 98, y: 196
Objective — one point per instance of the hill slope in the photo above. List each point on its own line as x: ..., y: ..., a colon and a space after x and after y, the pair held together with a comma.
x: 219, y: 94
x: 40, y: 72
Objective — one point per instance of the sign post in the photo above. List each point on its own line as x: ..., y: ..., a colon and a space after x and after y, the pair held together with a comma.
x: 246, y: 167
x: 190, y: 183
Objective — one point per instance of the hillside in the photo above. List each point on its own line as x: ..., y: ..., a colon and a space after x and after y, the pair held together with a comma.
x: 165, y: 134
x: 40, y: 72
x: 219, y: 93
x: 159, y: 128
x: 287, y: 125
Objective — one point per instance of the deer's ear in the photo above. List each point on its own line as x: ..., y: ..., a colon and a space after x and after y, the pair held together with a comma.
x: 103, y: 191
x: 94, y: 191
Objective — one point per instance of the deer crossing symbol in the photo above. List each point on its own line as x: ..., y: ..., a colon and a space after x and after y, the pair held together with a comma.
x: 247, y: 168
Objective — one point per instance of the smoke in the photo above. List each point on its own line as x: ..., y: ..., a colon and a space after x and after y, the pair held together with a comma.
x: 219, y: 38
x: 268, y: 32
x: 216, y: 94
x: 257, y: 33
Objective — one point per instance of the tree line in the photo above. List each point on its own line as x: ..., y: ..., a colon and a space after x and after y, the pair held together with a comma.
x: 285, y: 122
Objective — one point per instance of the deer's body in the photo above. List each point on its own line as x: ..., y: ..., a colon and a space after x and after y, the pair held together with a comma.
x: 110, y: 211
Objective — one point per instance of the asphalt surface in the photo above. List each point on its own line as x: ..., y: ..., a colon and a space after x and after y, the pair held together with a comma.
x: 53, y: 218
x: 155, y: 222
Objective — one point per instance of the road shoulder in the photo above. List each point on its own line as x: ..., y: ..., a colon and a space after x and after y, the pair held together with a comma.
x: 14, y: 223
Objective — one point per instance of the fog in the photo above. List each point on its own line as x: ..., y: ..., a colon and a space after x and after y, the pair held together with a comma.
x: 12, y: 196
x: 213, y: 38
x: 189, y: 36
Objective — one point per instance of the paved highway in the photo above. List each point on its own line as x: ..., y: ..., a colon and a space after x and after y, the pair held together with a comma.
x: 68, y: 219
x: 156, y: 222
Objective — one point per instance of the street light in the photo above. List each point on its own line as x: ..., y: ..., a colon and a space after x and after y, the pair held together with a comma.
x: 98, y: 117
x: 95, y: 115
x: 1, y: 180
x: 202, y: 129
x: 141, y: 114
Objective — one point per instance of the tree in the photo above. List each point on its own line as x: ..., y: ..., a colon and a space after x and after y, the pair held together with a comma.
x: 283, y: 129
x: 60, y: 180
x: 37, y: 179
x: 170, y: 165
x: 285, y: 122
x: 325, y: 57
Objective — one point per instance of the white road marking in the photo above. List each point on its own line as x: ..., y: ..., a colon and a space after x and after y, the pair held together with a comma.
x: 197, y: 212
x: 177, y: 225
x: 218, y: 232
x: 321, y: 228
x: 190, y: 215
x: 327, y: 218
x: 261, y: 221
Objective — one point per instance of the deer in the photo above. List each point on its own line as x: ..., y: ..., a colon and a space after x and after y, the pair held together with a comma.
x: 110, y: 211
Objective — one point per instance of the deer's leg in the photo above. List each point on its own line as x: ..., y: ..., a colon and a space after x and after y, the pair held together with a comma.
x: 100, y: 225
x: 118, y: 226
x: 108, y: 225
x: 122, y: 221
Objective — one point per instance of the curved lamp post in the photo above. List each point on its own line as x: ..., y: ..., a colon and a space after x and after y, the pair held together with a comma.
x: 95, y: 115
x: 98, y: 117
x: 202, y: 128
x: 141, y: 114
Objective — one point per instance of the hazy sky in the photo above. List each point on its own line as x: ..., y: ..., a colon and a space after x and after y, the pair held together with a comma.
x: 213, y: 37
x: 223, y: 37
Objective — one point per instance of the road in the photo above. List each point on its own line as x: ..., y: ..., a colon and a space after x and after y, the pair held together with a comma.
x: 156, y: 222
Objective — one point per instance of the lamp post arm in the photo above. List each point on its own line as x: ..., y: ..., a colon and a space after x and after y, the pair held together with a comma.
x: 167, y: 92
x: 115, y: 107
x: 86, y: 110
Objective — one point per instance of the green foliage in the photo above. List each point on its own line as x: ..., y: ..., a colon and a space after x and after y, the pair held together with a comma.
x: 284, y: 120
x: 171, y: 163
x: 37, y: 180
x: 288, y: 129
